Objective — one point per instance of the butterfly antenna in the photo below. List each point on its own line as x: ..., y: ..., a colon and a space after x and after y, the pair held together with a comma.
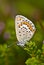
x: 8, y: 46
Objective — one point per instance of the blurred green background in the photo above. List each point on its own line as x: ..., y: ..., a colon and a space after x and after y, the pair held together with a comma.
x: 33, y: 53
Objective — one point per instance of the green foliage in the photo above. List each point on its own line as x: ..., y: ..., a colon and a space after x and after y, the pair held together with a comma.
x: 33, y: 61
x: 37, y: 55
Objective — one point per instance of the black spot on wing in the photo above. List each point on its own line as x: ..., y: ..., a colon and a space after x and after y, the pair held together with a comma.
x: 22, y: 20
x: 29, y: 31
x: 26, y: 20
x: 30, y: 34
x: 19, y: 32
x: 19, y: 35
x: 26, y: 31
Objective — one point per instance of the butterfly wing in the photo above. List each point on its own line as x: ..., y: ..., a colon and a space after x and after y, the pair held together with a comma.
x: 24, y: 29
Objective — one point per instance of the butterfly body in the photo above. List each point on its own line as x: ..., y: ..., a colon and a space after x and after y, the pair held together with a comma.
x: 25, y: 29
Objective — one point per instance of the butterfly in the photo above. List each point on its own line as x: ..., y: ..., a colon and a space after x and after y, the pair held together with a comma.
x: 25, y: 29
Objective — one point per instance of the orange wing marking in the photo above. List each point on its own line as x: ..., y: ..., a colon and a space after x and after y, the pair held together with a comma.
x: 28, y: 25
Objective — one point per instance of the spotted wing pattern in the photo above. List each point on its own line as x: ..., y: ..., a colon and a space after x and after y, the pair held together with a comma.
x: 25, y: 29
